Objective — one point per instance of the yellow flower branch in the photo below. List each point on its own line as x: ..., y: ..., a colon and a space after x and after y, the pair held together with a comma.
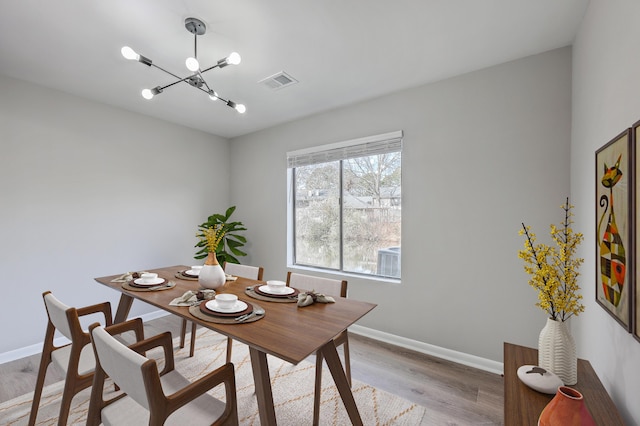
x: 554, y: 270
x: 211, y: 237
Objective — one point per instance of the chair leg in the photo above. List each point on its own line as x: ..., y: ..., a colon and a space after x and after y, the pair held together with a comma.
x: 45, y: 360
x: 317, y: 390
x: 37, y: 394
x: 229, y: 348
x: 65, y: 403
x: 193, y: 339
x: 183, y: 332
x: 347, y: 361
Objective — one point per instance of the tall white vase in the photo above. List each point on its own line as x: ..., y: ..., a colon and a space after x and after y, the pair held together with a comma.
x: 557, y: 351
x: 212, y: 275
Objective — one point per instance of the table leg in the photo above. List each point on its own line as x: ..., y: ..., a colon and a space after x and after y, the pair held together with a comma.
x: 332, y: 359
x: 263, y: 386
x: 124, y: 306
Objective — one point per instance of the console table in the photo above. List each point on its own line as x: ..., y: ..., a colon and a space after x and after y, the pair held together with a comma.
x: 523, y: 405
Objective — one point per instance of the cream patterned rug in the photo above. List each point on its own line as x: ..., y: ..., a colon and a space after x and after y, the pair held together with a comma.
x: 292, y: 392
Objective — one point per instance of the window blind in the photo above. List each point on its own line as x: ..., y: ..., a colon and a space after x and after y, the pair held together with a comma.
x: 370, y: 145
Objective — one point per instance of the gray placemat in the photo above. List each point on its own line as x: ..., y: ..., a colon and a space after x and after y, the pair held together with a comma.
x: 196, y: 312
x: 129, y: 287
x: 249, y: 291
x: 180, y: 275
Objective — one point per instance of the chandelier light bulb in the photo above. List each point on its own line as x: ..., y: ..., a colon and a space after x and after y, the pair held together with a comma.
x: 129, y: 53
x: 147, y: 94
x: 234, y: 58
x: 213, y: 95
x: 240, y: 108
x: 192, y: 64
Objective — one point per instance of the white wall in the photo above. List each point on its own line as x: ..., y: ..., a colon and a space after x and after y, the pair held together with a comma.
x: 482, y: 152
x: 606, y: 100
x: 87, y: 191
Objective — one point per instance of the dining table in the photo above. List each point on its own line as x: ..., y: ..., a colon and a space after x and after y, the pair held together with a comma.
x: 286, y: 331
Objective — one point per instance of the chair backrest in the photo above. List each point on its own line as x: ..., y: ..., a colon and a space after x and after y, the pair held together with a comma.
x: 57, y: 312
x: 122, y: 364
x: 327, y: 286
x: 245, y: 271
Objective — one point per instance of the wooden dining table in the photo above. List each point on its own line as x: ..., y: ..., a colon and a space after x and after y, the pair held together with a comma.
x: 286, y: 331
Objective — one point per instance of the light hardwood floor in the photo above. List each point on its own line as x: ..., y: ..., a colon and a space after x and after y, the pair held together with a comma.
x: 452, y: 393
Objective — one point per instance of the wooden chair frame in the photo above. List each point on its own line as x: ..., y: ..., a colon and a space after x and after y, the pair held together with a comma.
x: 160, y: 405
x: 74, y: 382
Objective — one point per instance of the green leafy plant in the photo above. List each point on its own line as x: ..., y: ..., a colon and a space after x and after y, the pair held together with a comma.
x: 228, y: 246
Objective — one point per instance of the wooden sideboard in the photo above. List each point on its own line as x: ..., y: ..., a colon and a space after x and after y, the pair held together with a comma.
x: 523, y: 405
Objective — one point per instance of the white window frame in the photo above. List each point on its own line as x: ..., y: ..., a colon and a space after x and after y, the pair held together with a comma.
x: 369, y: 145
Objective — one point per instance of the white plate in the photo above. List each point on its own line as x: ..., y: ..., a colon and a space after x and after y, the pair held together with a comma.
x: 157, y: 281
x: 285, y: 290
x: 238, y: 307
x: 192, y: 272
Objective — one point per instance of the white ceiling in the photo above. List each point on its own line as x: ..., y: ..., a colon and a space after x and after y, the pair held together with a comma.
x: 341, y: 51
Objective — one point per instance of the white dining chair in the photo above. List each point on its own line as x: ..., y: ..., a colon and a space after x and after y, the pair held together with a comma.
x: 152, y: 396
x: 75, y: 359
x: 329, y: 287
x: 236, y: 270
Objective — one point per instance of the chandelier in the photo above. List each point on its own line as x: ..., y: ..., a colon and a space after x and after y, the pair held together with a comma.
x: 196, y: 79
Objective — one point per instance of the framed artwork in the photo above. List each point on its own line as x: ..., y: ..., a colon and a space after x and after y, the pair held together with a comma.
x: 613, y: 228
x: 635, y: 292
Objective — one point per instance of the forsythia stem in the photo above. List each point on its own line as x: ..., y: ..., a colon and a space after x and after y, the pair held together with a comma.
x: 554, y: 270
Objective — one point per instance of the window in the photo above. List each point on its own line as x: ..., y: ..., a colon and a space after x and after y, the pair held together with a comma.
x: 345, y: 209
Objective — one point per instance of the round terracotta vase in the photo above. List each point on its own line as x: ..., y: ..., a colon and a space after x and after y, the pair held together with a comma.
x: 567, y: 408
x: 212, y: 275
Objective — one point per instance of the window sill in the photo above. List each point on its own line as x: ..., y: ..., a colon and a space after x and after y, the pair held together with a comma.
x: 342, y: 274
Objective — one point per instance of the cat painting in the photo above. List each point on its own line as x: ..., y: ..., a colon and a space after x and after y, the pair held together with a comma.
x: 612, y: 252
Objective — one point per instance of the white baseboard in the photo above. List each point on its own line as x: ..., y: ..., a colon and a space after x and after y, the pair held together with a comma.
x: 425, y: 348
x: 450, y: 355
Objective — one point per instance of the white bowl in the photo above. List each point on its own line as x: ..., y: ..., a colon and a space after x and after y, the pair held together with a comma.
x: 225, y: 300
x: 276, y: 286
x: 149, y: 277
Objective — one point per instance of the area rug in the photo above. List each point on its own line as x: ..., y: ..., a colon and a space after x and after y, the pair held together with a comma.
x: 292, y: 392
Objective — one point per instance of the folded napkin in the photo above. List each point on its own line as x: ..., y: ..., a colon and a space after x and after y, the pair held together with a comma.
x: 311, y: 297
x: 191, y: 298
x: 230, y: 277
x: 128, y: 276
x: 187, y: 299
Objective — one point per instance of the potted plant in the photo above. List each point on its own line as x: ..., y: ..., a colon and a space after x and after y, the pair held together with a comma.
x: 228, y: 245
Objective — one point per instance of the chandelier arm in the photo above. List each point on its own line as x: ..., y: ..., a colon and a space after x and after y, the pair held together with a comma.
x: 170, y: 73
x: 220, y: 98
x: 210, y: 68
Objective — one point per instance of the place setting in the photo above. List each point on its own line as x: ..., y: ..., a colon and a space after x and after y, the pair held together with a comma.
x: 190, y: 274
x: 273, y: 291
x: 146, y: 281
x: 227, y: 308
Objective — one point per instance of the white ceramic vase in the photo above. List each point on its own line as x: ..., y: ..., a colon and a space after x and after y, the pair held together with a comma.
x: 212, y: 275
x: 557, y: 351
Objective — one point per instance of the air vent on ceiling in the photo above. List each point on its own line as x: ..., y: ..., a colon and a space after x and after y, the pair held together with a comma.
x: 278, y: 81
